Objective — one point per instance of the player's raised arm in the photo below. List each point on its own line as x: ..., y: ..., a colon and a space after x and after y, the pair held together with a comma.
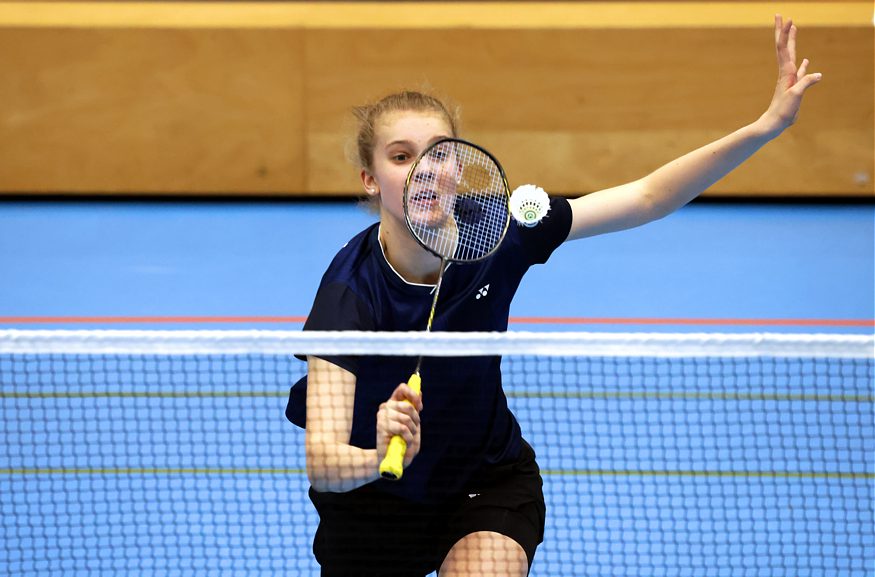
x: 681, y: 180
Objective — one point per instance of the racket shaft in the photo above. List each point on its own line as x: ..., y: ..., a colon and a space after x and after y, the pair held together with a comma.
x: 392, y: 466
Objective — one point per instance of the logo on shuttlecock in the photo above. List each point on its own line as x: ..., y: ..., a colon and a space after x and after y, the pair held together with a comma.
x: 529, y: 204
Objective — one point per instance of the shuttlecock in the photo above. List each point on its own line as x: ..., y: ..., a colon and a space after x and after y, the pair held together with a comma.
x: 529, y: 204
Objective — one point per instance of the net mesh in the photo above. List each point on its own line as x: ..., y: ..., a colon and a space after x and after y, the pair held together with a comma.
x: 168, y: 452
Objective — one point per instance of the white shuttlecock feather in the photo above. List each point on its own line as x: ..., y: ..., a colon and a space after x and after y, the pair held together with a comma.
x: 529, y: 204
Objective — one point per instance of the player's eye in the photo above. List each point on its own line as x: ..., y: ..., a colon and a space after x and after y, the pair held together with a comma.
x: 438, y: 154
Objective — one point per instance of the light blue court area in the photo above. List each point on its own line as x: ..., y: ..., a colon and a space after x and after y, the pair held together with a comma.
x: 723, y: 261
x: 185, y: 465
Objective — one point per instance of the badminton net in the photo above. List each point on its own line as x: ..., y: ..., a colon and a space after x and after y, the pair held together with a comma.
x: 167, y: 452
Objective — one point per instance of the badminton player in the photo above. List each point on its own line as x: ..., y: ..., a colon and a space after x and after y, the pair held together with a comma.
x: 470, y: 500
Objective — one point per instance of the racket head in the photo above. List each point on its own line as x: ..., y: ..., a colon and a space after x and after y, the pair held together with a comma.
x: 457, y: 201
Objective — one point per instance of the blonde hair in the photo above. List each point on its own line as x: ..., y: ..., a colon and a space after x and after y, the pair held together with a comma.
x: 405, y: 101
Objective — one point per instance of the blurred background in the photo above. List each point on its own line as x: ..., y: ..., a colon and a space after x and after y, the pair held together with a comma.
x: 186, y: 162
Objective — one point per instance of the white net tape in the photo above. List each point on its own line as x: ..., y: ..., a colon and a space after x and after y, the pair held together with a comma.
x: 185, y: 342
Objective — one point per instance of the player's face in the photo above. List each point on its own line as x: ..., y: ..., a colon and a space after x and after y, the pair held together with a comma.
x: 400, y: 139
x: 431, y: 190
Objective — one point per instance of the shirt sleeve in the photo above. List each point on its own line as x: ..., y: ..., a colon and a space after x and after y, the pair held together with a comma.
x: 539, y: 241
x: 337, y: 308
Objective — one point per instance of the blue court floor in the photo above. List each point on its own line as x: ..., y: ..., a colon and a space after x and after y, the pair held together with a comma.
x: 754, y: 263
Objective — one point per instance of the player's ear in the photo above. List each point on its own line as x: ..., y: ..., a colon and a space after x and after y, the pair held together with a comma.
x: 369, y: 183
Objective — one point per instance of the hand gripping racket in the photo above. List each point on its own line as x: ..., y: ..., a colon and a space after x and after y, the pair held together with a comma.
x: 456, y: 202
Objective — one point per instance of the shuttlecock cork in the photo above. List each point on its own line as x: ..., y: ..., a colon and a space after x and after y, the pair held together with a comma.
x: 529, y: 204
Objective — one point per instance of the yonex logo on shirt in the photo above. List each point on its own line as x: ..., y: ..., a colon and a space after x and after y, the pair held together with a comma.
x: 483, y: 292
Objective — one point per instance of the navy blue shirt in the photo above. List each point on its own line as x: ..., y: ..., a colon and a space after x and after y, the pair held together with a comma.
x: 466, y: 423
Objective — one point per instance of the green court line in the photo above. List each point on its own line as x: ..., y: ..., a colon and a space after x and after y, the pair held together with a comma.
x: 150, y: 471
x: 710, y: 474
x: 637, y: 395
x: 547, y: 472
x: 144, y: 395
x: 592, y: 395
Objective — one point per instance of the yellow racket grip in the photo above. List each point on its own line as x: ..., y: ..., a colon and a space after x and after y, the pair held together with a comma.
x: 392, y: 466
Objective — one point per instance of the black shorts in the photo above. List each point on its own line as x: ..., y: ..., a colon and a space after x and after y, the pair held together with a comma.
x: 366, y: 532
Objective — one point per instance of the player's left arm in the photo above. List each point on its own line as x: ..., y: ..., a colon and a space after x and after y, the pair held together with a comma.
x: 678, y: 182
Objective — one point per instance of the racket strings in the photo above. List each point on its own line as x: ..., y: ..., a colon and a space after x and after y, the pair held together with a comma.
x: 457, y: 201
x: 478, y: 238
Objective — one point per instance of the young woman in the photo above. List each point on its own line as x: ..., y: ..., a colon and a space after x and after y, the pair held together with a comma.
x: 470, y: 500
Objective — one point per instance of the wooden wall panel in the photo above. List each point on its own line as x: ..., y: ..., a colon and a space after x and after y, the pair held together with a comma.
x: 180, y: 107
x: 576, y: 111
x: 154, y: 111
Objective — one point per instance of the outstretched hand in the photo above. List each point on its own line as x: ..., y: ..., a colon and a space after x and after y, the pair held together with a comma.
x: 792, y: 81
